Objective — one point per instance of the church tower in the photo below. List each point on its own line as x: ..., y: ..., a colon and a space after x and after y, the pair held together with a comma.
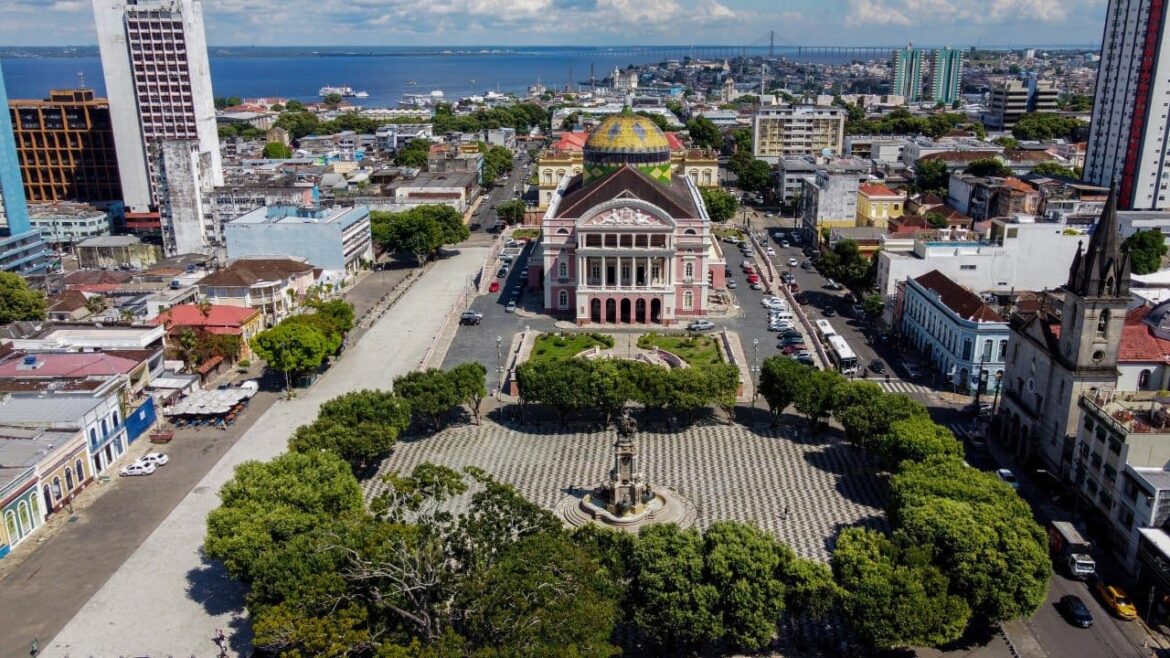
x: 1056, y: 357
x: 1095, y: 299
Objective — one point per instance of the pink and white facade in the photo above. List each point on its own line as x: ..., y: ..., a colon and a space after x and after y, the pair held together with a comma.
x: 628, y: 249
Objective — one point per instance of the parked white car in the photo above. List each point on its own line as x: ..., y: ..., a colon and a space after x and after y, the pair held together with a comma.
x: 137, y: 468
x: 156, y: 458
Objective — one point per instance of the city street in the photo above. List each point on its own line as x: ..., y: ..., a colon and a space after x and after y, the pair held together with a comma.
x: 165, y: 599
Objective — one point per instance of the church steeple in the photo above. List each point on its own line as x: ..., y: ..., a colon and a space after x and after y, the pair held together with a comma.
x: 1103, y: 270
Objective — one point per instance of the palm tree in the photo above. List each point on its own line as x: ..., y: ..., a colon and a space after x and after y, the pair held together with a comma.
x: 95, y: 304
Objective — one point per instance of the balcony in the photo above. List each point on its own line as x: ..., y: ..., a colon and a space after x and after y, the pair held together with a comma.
x: 1138, y: 412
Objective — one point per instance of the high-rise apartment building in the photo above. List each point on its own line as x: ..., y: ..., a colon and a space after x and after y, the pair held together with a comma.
x: 158, y: 79
x: 1127, y: 137
x: 946, y: 75
x: 66, y: 148
x: 907, y: 73
x: 791, y: 131
x: 22, y: 250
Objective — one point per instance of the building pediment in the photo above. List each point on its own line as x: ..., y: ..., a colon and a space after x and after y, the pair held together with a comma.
x: 626, y: 213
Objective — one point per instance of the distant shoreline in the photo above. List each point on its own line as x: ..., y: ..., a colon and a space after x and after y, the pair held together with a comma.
x: 51, y: 52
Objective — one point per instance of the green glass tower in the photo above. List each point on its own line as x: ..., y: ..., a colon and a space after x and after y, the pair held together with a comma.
x: 907, y: 73
x: 946, y: 75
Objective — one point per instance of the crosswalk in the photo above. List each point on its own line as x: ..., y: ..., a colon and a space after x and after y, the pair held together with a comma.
x: 898, y: 386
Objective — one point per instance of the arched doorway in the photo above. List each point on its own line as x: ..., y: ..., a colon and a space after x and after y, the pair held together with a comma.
x: 626, y: 311
x: 640, y: 311
x: 48, y: 501
x: 595, y: 310
x: 610, y: 310
x: 963, y: 379
x: 656, y: 310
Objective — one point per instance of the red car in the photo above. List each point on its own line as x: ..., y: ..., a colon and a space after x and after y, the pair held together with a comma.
x: 793, y: 287
x: 793, y: 349
x: 494, y: 287
x: 753, y: 278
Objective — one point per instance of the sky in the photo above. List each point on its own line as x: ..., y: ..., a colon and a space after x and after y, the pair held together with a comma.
x: 595, y: 22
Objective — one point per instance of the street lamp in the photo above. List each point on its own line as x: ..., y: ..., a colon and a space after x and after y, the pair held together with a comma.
x: 995, y: 400
x: 755, y: 370
x: 499, y: 366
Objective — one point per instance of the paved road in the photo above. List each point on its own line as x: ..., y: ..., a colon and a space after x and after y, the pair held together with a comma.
x: 165, y: 600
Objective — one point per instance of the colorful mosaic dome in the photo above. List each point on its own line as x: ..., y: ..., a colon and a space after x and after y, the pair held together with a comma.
x: 627, y: 134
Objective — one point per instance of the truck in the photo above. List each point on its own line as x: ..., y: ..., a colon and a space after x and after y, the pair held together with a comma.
x: 1071, y: 551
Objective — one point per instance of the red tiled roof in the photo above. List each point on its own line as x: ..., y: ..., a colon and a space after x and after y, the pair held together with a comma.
x: 1017, y: 184
x: 571, y: 141
x: 219, y: 315
x: 1138, y: 342
x: 877, y: 189
x: 963, y: 302
x: 676, y: 144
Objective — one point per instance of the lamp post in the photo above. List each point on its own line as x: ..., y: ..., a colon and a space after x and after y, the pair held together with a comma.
x: 499, y: 366
x: 995, y: 399
x: 755, y: 370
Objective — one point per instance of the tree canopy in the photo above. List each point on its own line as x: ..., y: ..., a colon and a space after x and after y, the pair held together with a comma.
x: 721, y: 204
x: 292, y: 347
x: 17, y: 301
x: 988, y: 167
x: 511, y: 211
x: 420, y: 231
x: 413, y: 154
x: 276, y: 151
x: 931, y: 175
x: 497, y: 161
x: 754, y: 175
x: 1043, y: 126
x: 1146, y: 249
x: 1056, y: 169
x: 704, y: 133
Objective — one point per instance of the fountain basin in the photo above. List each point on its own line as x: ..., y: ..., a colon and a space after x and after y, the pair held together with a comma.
x: 663, y: 506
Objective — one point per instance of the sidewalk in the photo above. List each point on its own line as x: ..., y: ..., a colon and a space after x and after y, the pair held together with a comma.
x: 165, y: 599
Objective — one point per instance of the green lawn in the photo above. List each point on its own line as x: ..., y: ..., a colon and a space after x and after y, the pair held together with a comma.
x: 723, y: 232
x: 526, y: 234
x: 695, y: 350
x: 555, y: 347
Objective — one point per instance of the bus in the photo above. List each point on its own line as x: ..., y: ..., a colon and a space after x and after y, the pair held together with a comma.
x: 841, y: 355
x: 824, y: 330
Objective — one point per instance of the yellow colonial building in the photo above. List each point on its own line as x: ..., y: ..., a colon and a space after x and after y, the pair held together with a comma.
x: 565, y: 157
x: 878, y: 204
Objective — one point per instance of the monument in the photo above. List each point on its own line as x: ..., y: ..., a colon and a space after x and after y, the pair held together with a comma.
x: 626, y: 501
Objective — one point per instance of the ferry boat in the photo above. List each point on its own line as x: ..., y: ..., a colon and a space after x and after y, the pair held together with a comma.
x: 362, y: 94
x: 345, y: 92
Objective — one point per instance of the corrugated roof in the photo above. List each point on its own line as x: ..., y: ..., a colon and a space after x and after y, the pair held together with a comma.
x: 218, y: 315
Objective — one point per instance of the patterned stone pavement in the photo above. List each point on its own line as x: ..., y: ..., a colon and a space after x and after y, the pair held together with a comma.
x: 727, y: 471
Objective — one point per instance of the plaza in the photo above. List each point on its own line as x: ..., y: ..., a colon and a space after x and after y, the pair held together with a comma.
x: 729, y: 472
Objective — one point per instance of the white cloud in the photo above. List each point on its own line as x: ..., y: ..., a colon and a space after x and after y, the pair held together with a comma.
x: 954, y: 12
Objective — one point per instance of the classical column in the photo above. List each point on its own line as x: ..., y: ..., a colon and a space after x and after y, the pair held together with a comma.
x: 604, y: 274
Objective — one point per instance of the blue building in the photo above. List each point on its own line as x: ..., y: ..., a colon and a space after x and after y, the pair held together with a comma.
x: 962, y: 338
x: 22, y: 250
x: 337, y: 240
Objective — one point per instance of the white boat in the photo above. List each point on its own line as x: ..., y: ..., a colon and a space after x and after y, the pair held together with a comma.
x: 362, y: 94
x: 346, y: 92
x: 438, y: 93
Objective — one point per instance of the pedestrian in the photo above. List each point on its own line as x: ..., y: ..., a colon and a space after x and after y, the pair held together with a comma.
x: 784, y: 514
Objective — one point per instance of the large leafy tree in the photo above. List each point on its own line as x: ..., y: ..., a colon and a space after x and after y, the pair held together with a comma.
x: 419, y: 231
x: 339, y: 313
x: 470, y: 384
x: 931, y: 175
x: 1146, y: 249
x: 721, y: 204
x: 755, y: 176
x: 1041, y: 126
x: 291, y: 347
x: 988, y: 167
x: 511, y: 211
x: 497, y: 161
x: 866, y: 412
x: 742, y: 564
x: 544, y: 596
x: 704, y: 133
x: 918, y: 438
x: 267, y: 503
x: 350, y: 442
x: 413, y: 154
x: 430, y: 393
x: 816, y: 394
x: 894, y: 600
x: 672, y: 604
x: 276, y: 151
x: 1055, y: 169
x: 380, y: 414
x: 17, y: 301
x: 780, y: 380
